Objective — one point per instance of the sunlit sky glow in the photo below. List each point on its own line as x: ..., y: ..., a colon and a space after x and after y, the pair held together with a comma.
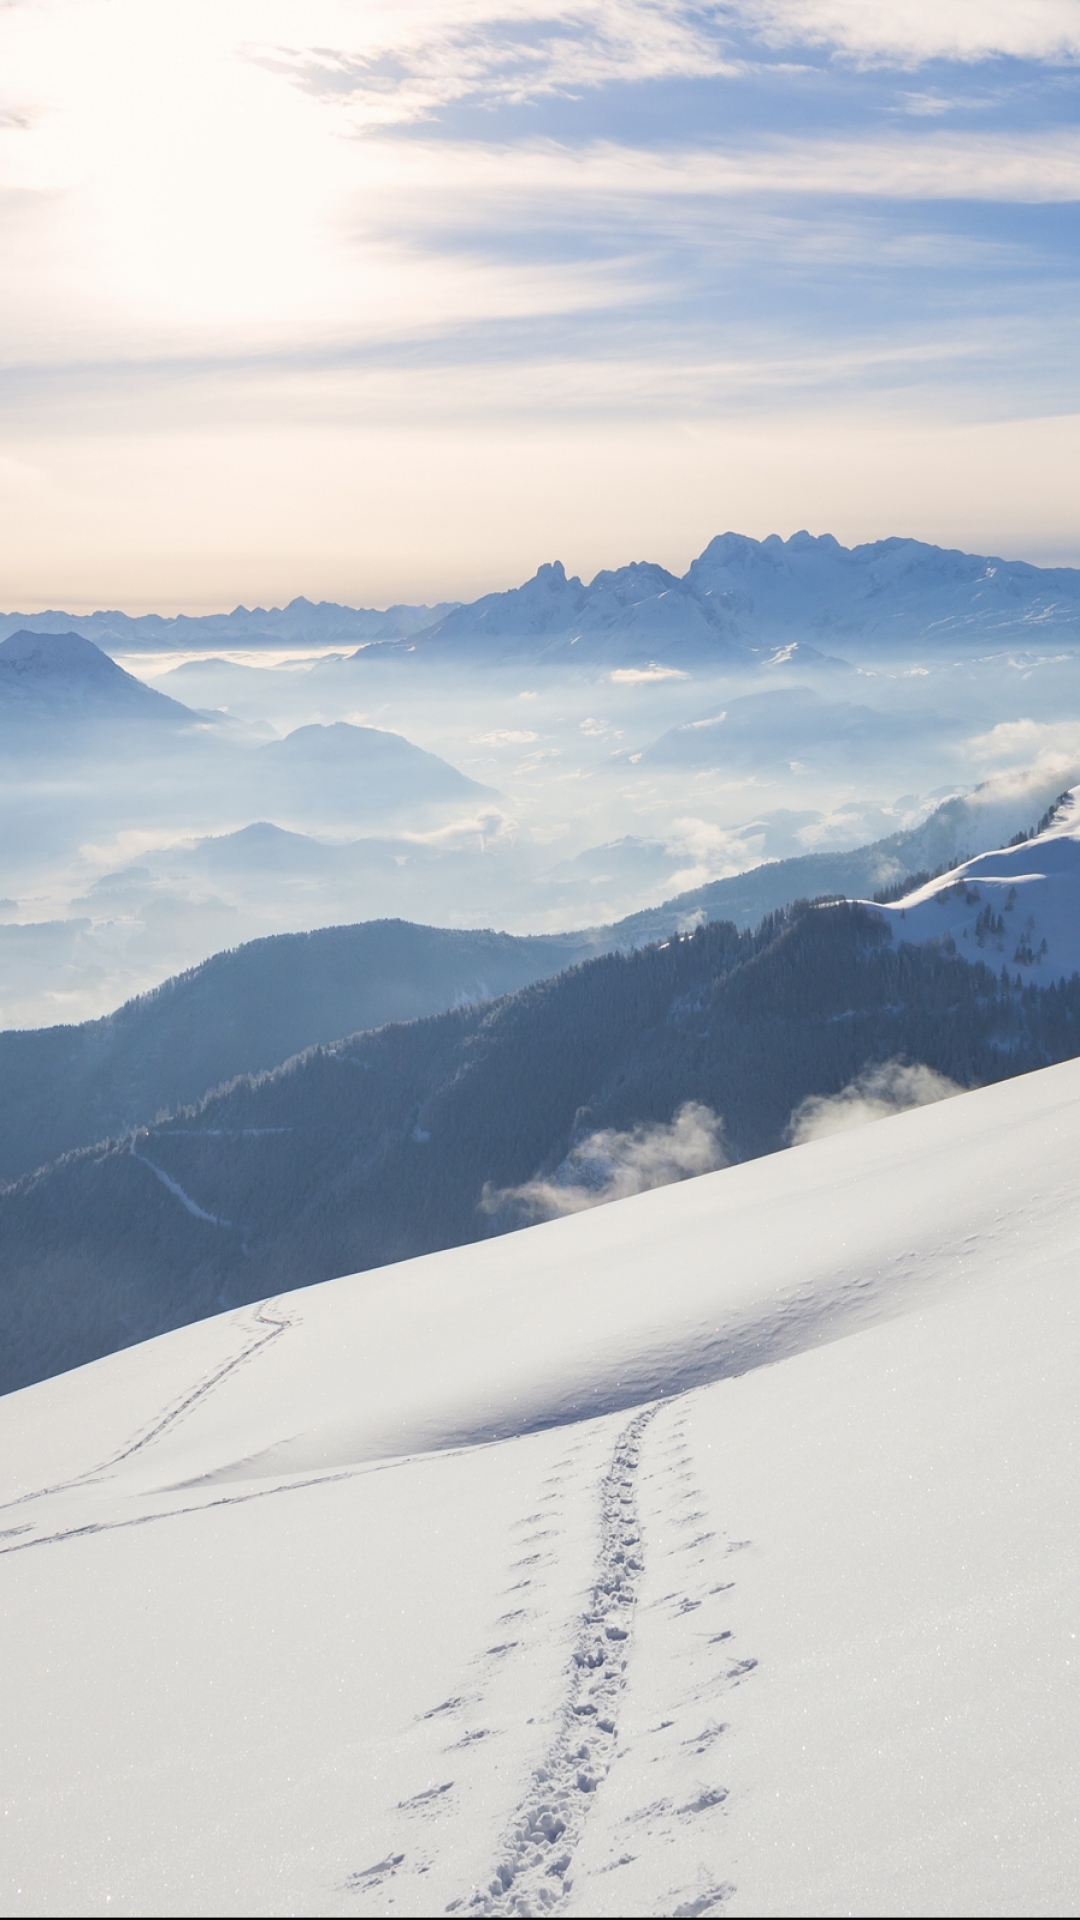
x: 374, y: 301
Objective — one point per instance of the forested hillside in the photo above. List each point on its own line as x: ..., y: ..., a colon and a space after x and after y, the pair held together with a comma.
x: 244, y: 1011
x: 382, y: 1147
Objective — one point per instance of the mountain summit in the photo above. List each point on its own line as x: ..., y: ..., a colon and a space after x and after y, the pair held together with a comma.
x: 63, y: 676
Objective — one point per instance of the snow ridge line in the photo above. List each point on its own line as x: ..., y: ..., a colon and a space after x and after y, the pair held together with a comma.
x: 533, y: 1876
x: 264, y: 1317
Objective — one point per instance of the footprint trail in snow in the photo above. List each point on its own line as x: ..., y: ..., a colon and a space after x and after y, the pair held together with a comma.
x: 534, y: 1873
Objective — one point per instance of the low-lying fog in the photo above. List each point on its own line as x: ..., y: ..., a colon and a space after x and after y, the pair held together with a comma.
x: 585, y: 794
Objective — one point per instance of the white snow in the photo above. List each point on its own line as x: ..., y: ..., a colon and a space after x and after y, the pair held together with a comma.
x: 301, y: 1603
x: 1019, y: 906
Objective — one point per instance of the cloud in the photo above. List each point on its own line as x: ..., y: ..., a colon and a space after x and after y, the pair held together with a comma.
x: 242, y: 241
x: 909, y: 32
x: 400, y: 64
x: 706, y: 851
x: 1038, y: 745
x: 876, y: 1094
x: 609, y: 1165
x: 640, y: 676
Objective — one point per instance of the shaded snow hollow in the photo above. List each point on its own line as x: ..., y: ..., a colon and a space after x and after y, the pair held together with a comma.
x: 716, y: 1551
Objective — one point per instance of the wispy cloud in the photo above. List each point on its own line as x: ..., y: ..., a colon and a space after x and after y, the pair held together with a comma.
x: 612, y: 1165
x: 645, y: 676
x: 876, y: 1094
x: 410, y: 59
x: 403, y: 63
x: 265, y: 222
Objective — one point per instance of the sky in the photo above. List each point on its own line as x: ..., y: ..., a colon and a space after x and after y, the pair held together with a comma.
x: 380, y: 300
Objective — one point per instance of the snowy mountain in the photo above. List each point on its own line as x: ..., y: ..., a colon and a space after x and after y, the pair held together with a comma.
x: 713, y: 1552
x: 1018, y: 907
x: 752, y: 601
x: 303, y: 623
x: 621, y: 616
x: 887, y: 590
x: 966, y: 824
x: 742, y: 601
x: 48, y: 679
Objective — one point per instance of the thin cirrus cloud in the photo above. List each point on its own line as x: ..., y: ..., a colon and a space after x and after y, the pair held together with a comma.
x: 283, y: 221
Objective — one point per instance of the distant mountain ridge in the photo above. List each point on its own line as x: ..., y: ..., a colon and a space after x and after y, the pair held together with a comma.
x: 303, y: 623
x: 738, y: 599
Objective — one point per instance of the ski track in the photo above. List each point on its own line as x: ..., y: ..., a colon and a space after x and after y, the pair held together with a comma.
x: 533, y: 1876
x: 265, y: 1317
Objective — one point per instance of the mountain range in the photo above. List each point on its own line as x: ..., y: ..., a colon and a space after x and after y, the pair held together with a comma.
x: 60, y: 691
x: 303, y: 623
x: 740, y: 602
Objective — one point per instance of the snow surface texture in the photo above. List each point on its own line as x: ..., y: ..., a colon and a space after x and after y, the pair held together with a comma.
x: 1017, y: 907
x: 717, y: 1551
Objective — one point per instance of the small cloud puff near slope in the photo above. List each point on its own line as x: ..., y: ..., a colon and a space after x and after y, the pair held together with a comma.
x: 875, y: 1094
x: 612, y: 1165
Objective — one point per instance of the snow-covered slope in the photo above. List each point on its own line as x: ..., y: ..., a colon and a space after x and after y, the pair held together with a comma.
x: 713, y: 1551
x: 1018, y: 907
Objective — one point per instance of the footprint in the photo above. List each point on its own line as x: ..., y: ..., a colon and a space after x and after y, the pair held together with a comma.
x: 705, y: 1903
x: 420, y: 1799
x: 708, y: 1797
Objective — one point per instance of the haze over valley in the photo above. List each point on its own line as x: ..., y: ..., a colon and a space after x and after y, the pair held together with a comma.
x: 550, y: 758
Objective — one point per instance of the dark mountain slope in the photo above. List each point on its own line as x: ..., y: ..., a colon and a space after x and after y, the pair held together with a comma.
x: 242, y: 1012
x: 381, y: 1147
x: 249, y: 1009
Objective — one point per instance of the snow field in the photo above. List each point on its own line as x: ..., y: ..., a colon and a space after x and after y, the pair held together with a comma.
x: 716, y: 1551
x: 325, y: 1698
